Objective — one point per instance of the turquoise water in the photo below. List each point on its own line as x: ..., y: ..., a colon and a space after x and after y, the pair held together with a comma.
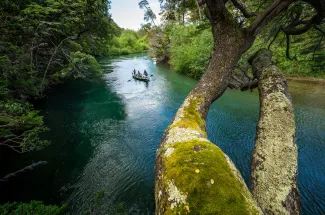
x: 105, y: 135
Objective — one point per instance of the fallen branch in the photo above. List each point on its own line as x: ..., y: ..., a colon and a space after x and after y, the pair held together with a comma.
x: 25, y: 169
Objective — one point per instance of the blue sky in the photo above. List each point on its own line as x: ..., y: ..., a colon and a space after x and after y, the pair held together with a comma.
x: 127, y: 14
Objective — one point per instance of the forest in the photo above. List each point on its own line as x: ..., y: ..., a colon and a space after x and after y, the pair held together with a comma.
x: 241, y: 45
x: 44, y: 43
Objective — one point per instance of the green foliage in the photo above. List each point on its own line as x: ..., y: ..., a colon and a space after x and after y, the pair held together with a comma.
x: 20, y: 126
x: 149, y: 15
x: 178, y: 10
x: 309, y: 56
x: 41, y: 44
x: 32, y: 208
x: 160, y: 42
x: 306, y: 52
x: 190, y: 49
x: 53, y: 36
x: 81, y: 66
x: 128, y: 42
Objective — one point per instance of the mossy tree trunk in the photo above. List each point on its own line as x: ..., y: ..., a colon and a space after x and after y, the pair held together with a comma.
x: 275, y: 157
x: 192, y: 174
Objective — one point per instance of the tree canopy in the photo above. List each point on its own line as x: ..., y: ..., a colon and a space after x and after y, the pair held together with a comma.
x: 42, y: 43
x: 296, y: 36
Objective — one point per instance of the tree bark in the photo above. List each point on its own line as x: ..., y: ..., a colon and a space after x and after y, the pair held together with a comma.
x: 274, y: 160
x: 193, y: 175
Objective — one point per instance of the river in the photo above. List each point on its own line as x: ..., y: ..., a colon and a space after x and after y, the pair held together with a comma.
x: 105, y: 135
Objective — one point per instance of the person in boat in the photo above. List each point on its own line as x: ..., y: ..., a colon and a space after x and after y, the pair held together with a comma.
x: 145, y: 73
x: 134, y: 72
x: 139, y: 74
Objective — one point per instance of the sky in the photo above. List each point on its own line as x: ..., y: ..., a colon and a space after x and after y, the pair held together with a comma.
x: 127, y: 14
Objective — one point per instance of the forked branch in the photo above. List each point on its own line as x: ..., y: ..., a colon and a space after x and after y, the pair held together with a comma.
x: 240, y: 6
x: 268, y: 15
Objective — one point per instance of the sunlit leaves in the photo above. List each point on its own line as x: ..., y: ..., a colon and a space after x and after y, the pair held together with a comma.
x: 190, y: 49
x: 128, y: 42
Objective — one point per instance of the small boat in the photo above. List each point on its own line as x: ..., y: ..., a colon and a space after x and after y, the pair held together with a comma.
x: 141, y: 77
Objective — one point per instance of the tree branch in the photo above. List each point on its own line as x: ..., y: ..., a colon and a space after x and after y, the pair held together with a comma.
x: 238, y: 84
x: 316, y: 47
x: 276, y: 35
x: 27, y: 168
x: 271, y: 12
x: 199, y: 9
x: 56, y: 50
x: 292, y: 30
x: 217, y: 9
x: 288, y: 49
x: 201, y: 2
x: 50, y: 61
x: 14, y: 140
x: 240, y: 6
x: 319, y: 29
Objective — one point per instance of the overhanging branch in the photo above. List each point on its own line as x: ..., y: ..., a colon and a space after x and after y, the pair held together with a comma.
x: 288, y: 49
x: 275, y: 36
x: 319, y: 29
x: 271, y: 12
x: 292, y: 28
x: 240, y: 6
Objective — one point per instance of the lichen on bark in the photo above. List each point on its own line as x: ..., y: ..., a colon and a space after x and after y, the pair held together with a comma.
x: 274, y: 160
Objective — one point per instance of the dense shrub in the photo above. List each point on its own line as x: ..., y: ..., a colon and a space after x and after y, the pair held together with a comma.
x: 128, y: 42
x: 190, y: 49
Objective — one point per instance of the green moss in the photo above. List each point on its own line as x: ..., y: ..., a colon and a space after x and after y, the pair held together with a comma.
x: 196, y: 176
x: 191, y: 117
x: 214, y: 190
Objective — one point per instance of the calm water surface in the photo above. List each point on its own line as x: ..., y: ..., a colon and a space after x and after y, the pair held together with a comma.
x: 105, y: 134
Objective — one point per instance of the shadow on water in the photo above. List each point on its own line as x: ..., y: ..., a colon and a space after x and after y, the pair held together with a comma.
x: 105, y: 135
x: 69, y: 112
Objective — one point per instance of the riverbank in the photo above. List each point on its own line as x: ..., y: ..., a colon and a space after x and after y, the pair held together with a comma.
x: 294, y: 78
x: 309, y: 79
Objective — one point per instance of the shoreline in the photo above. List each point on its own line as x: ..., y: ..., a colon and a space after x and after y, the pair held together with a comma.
x: 310, y: 79
x: 291, y: 78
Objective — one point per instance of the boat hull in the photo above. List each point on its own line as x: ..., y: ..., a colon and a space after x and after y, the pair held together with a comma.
x: 145, y: 79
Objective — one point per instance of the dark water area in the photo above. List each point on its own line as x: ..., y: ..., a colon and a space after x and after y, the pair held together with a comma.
x: 105, y: 135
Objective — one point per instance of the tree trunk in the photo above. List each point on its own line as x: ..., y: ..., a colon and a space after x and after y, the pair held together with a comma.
x: 193, y: 175
x: 274, y: 160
